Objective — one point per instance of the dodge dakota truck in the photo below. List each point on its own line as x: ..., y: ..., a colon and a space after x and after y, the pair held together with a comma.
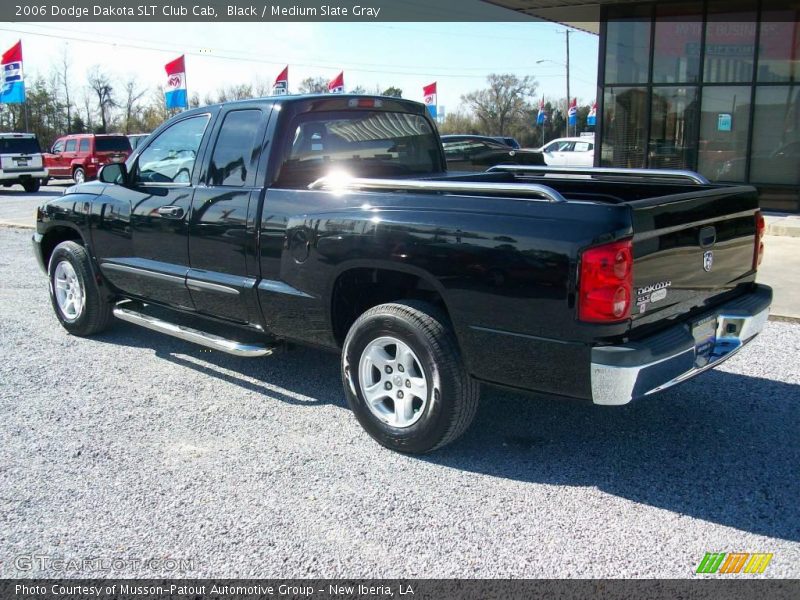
x: 331, y: 221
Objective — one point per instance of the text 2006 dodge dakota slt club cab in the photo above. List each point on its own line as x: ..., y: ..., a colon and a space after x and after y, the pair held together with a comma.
x: 331, y: 221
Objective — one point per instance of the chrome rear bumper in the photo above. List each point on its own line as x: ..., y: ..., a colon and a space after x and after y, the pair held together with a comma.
x: 629, y: 371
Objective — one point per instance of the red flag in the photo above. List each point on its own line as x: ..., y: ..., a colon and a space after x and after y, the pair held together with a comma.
x: 429, y: 93
x: 175, y: 66
x: 336, y: 85
x: 13, y: 54
x: 281, y: 85
x: 284, y: 76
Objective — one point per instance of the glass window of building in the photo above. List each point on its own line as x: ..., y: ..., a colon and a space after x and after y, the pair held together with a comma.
x: 775, y: 154
x: 730, y: 42
x: 673, y: 128
x: 624, y: 127
x: 779, y: 45
x: 628, y: 47
x: 724, y: 124
x: 676, y: 46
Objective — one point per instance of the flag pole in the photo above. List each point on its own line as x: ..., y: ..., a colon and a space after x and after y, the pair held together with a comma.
x: 185, y: 84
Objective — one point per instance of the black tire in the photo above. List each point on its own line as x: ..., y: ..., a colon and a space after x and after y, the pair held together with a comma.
x: 96, y: 313
x: 79, y: 173
x: 31, y: 185
x: 45, y: 181
x: 452, y: 398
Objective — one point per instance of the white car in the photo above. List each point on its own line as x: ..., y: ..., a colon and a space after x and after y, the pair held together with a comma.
x: 569, y: 152
x: 21, y: 161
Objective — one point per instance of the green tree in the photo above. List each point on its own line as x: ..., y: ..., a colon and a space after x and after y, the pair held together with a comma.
x: 393, y: 91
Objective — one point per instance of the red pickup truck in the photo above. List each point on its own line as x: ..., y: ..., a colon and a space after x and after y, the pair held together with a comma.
x: 80, y: 156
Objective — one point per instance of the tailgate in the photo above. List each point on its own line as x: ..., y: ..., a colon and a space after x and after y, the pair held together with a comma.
x: 691, y: 251
x: 21, y: 163
x: 111, y: 156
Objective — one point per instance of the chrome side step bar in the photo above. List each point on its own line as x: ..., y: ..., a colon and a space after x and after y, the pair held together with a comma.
x: 432, y: 185
x: 188, y: 334
x: 690, y: 176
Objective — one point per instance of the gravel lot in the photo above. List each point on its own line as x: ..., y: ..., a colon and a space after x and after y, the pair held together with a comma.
x: 136, y: 445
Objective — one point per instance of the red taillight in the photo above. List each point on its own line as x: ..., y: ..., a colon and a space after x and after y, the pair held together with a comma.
x: 758, y: 251
x: 606, y: 283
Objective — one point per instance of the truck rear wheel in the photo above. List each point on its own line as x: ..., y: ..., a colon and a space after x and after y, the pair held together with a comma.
x: 79, y: 175
x: 31, y: 186
x: 79, y: 305
x: 404, y: 378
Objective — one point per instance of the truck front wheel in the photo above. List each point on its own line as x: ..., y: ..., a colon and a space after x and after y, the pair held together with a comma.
x: 404, y: 378
x: 77, y: 300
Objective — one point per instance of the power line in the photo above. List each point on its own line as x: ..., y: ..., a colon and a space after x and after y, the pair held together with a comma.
x: 250, y: 57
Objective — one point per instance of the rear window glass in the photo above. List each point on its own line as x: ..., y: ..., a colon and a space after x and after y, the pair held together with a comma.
x: 360, y: 144
x: 112, y: 144
x: 19, y: 146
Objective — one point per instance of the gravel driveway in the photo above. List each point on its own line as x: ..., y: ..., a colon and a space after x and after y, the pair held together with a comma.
x: 140, y: 447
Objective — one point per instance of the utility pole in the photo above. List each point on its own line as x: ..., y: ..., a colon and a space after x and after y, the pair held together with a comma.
x: 567, y: 32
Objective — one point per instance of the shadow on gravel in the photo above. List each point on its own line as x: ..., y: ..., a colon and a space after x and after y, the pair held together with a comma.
x: 723, y: 447
x: 301, y: 376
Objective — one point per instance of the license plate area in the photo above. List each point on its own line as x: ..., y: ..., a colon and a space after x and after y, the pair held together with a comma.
x: 704, y: 332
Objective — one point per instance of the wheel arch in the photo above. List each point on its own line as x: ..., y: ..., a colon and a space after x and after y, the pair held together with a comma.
x: 57, y: 233
x: 361, y: 285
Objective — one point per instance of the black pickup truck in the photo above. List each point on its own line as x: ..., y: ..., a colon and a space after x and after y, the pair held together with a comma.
x: 331, y: 221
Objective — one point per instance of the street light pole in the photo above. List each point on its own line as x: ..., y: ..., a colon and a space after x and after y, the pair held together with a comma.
x: 567, y: 32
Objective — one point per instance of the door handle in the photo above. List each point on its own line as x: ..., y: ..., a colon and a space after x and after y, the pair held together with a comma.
x: 173, y: 212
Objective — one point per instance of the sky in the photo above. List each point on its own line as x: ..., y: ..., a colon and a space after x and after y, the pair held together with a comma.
x: 458, y: 56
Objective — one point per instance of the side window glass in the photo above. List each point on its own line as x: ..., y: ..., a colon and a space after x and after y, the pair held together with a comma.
x: 58, y: 147
x: 171, y: 156
x: 236, y: 152
x: 70, y: 147
x: 582, y: 146
x: 84, y: 145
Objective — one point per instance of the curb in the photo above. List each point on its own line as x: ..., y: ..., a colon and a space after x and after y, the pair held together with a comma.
x: 10, y: 224
x: 779, y: 230
x: 784, y: 319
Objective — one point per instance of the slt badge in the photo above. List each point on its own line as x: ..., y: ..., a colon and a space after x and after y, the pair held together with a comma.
x: 708, y: 259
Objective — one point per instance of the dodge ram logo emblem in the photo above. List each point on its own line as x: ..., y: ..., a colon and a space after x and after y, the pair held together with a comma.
x: 708, y: 259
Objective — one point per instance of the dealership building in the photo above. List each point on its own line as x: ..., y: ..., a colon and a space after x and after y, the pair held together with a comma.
x: 712, y: 86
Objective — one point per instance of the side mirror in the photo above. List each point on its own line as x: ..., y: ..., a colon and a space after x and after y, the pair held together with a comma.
x: 116, y: 173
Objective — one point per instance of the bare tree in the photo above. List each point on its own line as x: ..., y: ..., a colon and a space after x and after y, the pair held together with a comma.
x: 87, y: 105
x: 314, y: 85
x: 133, y: 95
x: 261, y: 87
x: 503, y: 104
x: 64, y: 81
x: 101, y: 86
